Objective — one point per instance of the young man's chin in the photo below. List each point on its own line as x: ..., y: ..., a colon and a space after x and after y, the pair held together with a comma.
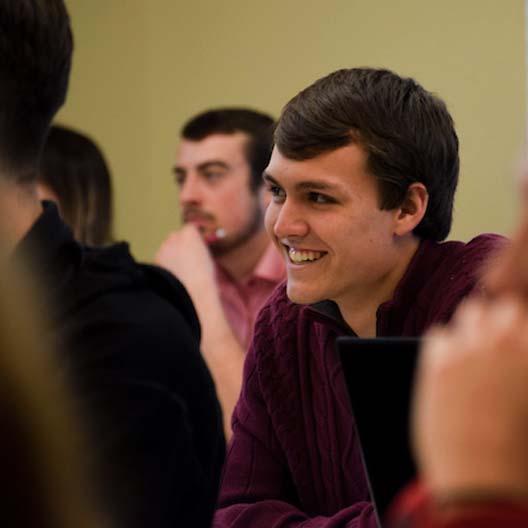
x: 302, y: 295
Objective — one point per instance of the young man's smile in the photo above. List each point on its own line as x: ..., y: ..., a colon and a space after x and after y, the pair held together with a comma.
x: 301, y: 255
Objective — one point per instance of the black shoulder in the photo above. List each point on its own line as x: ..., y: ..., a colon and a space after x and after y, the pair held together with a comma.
x: 168, y: 287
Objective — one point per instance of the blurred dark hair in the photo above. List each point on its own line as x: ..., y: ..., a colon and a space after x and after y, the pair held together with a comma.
x: 407, y: 132
x: 257, y: 125
x: 35, y: 56
x: 74, y: 168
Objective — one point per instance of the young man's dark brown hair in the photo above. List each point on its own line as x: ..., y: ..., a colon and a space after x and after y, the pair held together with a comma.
x: 406, y: 131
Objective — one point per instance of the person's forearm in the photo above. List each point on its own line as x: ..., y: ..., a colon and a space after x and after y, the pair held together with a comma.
x: 224, y: 356
x: 226, y: 362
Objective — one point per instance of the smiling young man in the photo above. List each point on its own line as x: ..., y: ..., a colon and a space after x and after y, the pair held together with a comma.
x: 363, y: 177
x: 223, y: 255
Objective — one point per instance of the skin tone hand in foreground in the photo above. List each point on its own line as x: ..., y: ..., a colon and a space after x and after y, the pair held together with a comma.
x: 471, y: 412
x: 471, y: 402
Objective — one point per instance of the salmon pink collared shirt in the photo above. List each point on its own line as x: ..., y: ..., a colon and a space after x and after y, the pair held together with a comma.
x: 242, y: 301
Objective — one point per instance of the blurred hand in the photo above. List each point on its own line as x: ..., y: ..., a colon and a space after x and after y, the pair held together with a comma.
x: 185, y: 254
x: 471, y: 403
x: 508, y: 272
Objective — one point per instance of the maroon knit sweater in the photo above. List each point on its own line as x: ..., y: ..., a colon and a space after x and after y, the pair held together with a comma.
x: 294, y: 458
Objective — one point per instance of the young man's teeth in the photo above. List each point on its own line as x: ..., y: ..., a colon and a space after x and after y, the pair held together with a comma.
x: 303, y: 256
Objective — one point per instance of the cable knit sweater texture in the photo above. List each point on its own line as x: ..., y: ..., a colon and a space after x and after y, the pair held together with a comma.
x: 294, y: 458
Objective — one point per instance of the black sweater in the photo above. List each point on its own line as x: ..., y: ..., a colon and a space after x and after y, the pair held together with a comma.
x: 129, y: 336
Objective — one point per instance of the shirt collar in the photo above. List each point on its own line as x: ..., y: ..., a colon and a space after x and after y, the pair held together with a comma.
x: 270, y: 267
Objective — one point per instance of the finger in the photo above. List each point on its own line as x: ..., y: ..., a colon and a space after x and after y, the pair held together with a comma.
x: 508, y: 272
x: 504, y: 315
x: 507, y: 328
x: 437, y: 345
x: 467, y: 320
x: 436, y: 348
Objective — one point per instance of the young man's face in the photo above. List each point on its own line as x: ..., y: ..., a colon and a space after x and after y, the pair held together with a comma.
x: 213, y: 176
x: 326, y: 220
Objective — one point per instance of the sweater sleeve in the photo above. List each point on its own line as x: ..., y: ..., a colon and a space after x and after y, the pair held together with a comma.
x: 257, y: 488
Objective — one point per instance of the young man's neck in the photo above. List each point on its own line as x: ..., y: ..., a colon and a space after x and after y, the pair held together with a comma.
x: 360, y: 309
x: 19, y: 209
x: 240, y: 262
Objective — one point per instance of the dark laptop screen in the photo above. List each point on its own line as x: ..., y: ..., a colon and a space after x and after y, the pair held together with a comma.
x: 379, y: 375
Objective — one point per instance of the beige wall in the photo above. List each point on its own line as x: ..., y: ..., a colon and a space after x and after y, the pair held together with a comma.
x: 141, y: 68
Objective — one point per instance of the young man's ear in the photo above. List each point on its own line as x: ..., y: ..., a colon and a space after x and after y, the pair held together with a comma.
x: 412, y: 210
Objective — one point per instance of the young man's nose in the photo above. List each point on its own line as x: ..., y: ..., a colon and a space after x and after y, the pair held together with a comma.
x: 191, y: 191
x: 289, y: 221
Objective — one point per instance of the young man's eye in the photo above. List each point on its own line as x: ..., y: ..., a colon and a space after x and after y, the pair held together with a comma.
x: 179, y: 179
x: 320, y: 198
x: 277, y: 193
x: 213, y: 175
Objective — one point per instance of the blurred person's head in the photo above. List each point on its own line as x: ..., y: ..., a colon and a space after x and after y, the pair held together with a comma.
x: 44, y: 474
x: 218, y: 169
x: 35, y: 59
x: 74, y: 174
x: 365, y: 164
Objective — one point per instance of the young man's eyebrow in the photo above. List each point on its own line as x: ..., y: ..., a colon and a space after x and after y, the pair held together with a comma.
x: 203, y: 166
x: 212, y: 164
x: 305, y: 185
x: 269, y: 178
x: 316, y: 185
x: 178, y: 170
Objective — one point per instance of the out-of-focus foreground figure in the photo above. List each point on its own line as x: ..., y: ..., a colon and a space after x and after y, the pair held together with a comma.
x: 74, y: 174
x: 44, y: 481
x: 127, y: 333
x: 471, y: 408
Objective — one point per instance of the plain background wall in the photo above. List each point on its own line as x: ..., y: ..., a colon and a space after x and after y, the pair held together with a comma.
x: 142, y: 68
